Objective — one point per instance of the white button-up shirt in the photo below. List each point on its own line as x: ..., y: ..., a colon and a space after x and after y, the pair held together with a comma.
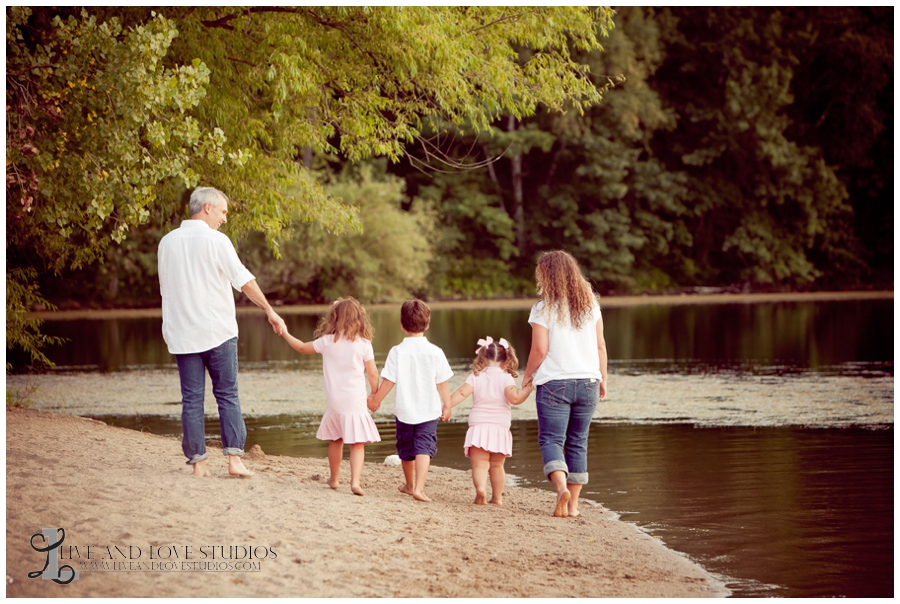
x: 416, y: 366
x: 198, y: 266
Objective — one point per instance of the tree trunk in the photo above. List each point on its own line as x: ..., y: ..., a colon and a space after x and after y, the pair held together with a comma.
x: 518, y: 193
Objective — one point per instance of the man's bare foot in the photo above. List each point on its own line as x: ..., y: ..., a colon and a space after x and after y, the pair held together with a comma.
x: 480, y: 498
x: 200, y: 469
x: 562, y: 504
x: 333, y: 483
x: 236, y: 467
x: 418, y: 496
x: 405, y: 490
x: 357, y: 490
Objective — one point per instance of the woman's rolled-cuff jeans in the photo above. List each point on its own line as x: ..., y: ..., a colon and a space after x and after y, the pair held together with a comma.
x: 222, y: 364
x: 565, y: 409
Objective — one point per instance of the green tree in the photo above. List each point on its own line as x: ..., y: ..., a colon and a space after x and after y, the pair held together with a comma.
x: 388, y: 260
x: 765, y: 206
x: 114, y: 112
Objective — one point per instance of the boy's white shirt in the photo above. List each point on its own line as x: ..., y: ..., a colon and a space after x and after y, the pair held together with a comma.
x: 416, y: 366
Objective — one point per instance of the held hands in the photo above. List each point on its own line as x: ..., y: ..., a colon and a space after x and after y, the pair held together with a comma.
x: 446, y: 412
x: 372, y: 404
x: 277, y: 323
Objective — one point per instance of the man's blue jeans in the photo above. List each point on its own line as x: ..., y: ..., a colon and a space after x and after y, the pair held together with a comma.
x: 222, y: 364
x: 565, y: 409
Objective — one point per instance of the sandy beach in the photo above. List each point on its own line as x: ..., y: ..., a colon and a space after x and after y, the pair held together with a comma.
x: 129, y: 496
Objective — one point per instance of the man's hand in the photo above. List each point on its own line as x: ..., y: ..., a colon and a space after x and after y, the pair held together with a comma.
x: 276, y: 322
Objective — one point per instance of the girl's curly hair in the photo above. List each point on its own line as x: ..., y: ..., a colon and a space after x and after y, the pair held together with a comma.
x: 563, y: 289
x: 348, y: 319
x: 496, y: 353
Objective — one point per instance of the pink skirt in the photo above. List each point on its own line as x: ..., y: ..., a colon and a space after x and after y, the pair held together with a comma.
x: 352, y: 428
x: 494, y: 438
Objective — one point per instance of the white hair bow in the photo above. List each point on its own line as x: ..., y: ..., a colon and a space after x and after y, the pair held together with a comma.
x: 489, y: 340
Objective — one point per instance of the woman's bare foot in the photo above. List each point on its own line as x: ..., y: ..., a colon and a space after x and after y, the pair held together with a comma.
x: 419, y: 496
x: 357, y: 490
x: 405, y: 490
x: 333, y: 483
x: 236, y: 467
x: 562, y: 504
x: 480, y: 498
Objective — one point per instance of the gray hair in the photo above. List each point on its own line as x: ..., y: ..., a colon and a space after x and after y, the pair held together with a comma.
x: 205, y: 195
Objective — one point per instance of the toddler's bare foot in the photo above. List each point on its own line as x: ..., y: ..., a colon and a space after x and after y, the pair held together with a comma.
x: 420, y: 496
x: 562, y: 504
x: 480, y: 498
x: 236, y: 467
x: 405, y: 490
x: 357, y: 490
x: 333, y: 483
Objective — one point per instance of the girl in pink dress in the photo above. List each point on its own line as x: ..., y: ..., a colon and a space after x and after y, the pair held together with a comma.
x: 344, y: 339
x: 489, y: 441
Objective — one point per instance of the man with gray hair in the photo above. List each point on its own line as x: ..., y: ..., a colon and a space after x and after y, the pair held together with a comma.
x: 197, y: 268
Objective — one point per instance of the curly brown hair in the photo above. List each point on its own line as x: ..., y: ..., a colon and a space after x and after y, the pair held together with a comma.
x: 563, y: 289
x: 347, y: 318
x: 496, y: 353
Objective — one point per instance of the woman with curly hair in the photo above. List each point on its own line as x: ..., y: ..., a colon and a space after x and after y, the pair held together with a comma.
x: 567, y: 363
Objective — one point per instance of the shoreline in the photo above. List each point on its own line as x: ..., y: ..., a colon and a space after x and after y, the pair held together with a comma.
x: 67, y: 471
x: 809, y: 399
x: 512, y: 303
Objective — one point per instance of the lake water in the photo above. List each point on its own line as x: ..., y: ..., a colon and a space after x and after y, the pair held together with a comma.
x: 775, y: 511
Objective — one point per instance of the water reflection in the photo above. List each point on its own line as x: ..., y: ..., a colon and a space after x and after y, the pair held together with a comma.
x: 845, y: 336
x: 785, y: 512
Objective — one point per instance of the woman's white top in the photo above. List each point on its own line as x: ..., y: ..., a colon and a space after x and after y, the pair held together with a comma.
x: 573, y: 352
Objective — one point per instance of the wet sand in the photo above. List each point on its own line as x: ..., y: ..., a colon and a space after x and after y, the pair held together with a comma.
x: 131, y: 492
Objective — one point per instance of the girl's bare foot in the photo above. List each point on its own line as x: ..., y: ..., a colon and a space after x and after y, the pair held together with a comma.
x: 405, y: 490
x: 574, y: 513
x: 357, y: 490
x: 333, y: 483
x: 421, y: 496
x: 496, y: 501
x: 562, y: 504
x: 480, y: 498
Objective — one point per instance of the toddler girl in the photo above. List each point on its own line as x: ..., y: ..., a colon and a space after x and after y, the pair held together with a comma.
x: 489, y: 441
x: 344, y: 339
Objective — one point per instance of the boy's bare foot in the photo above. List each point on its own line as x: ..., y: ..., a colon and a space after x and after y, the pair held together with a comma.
x: 562, y: 504
x: 236, y: 467
x: 421, y: 496
x: 333, y: 483
x: 480, y: 498
x: 357, y: 490
x: 405, y: 490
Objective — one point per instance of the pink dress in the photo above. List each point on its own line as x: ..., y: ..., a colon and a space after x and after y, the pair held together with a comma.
x: 346, y: 415
x: 489, y: 418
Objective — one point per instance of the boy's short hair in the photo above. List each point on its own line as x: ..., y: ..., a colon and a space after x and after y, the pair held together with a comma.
x: 415, y: 316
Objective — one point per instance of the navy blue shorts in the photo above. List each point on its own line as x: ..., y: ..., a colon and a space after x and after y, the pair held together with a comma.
x: 416, y: 439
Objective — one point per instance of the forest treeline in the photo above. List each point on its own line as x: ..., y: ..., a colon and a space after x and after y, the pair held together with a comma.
x: 436, y: 152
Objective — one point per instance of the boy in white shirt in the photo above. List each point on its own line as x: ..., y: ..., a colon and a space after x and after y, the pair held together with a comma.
x: 420, y: 371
